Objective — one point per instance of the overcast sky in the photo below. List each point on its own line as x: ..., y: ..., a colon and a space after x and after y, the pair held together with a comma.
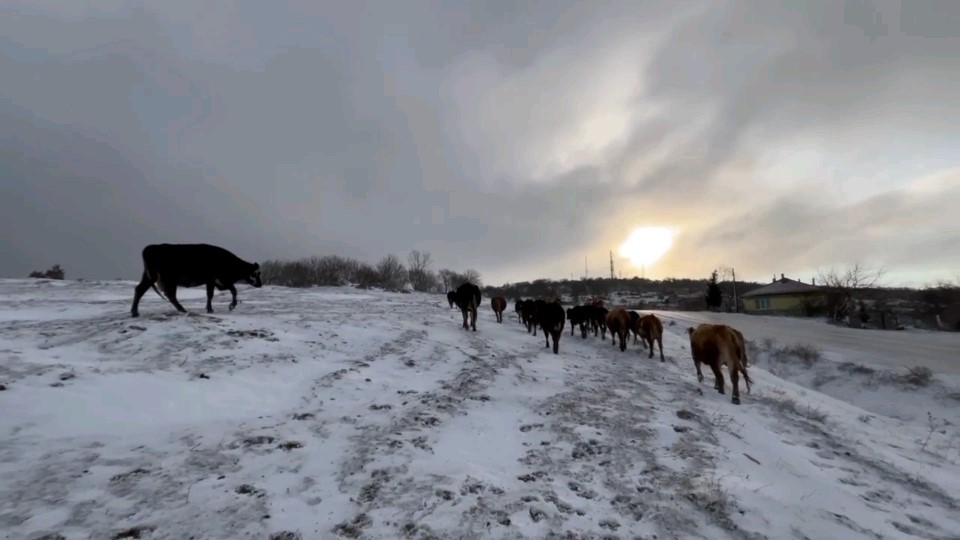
x: 515, y: 138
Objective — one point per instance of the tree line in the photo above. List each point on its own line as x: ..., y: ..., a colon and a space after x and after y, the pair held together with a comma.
x: 390, y: 273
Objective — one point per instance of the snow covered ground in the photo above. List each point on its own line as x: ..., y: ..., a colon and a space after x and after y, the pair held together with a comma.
x: 337, y: 412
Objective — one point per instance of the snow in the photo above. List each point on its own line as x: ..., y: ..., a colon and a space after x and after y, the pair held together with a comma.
x: 337, y: 412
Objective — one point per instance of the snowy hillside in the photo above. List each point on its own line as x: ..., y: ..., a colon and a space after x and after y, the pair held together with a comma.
x: 357, y: 414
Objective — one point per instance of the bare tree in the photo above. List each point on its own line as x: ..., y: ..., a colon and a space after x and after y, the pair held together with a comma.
x: 473, y: 276
x: 393, y: 275
x: 845, y: 287
x: 418, y: 268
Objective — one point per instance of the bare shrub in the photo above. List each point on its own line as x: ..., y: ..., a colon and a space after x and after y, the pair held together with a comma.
x: 393, y: 275
x: 918, y: 376
x: 54, y: 272
x: 790, y: 406
x: 806, y: 354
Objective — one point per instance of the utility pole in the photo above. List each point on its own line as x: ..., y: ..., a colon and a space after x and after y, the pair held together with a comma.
x: 613, y: 274
x: 586, y: 273
x: 736, y: 302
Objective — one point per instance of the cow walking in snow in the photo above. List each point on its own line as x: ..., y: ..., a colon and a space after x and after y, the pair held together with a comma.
x: 169, y: 266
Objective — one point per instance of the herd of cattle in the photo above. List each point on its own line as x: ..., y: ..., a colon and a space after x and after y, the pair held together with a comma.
x: 710, y: 344
x: 168, y: 266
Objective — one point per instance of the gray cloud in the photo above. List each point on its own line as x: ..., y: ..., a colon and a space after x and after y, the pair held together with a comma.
x: 512, y: 138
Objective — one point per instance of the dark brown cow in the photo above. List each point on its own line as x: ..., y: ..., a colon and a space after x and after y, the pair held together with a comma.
x: 531, y: 314
x: 635, y: 325
x: 518, y: 307
x: 716, y: 344
x: 551, y: 321
x: 651, y: 329
x: 618, y: 321
x: 579, y: 316
x: 452, y: 298
x: 498, y: 304
x: 189, y: 265
x: 468, y: 300
x: 598, y: 320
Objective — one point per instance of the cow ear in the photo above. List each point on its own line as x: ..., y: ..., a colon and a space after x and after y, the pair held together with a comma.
x: 256, y: 266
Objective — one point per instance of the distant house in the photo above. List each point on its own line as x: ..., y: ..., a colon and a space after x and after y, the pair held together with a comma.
x: 784, y: 296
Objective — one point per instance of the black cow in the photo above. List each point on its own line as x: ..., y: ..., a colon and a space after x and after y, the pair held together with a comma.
x: 518, y: 306
x: 551, y: 321
x: 468, y: 299
x: 531, y: 314
x: 452, y: 298
x: 634, y: 325
x: 579, y: 316
x: 189, y: 265
x: 598, y: 318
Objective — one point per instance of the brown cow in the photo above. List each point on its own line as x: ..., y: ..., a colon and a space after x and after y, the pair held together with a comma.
x: 618, y: 321
x: 715, y: 344
x: 651, y: 329
x: 498, y: 304
x: 743, y: 347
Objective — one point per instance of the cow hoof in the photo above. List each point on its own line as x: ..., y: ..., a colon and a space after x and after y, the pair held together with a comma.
x: 134, y: 314
x: 231, y: 306
x: 735, y: 401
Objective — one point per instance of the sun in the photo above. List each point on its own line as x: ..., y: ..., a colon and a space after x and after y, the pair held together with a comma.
x: 646, y: 245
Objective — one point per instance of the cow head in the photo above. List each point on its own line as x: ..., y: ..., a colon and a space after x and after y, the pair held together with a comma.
x: 254, y: 277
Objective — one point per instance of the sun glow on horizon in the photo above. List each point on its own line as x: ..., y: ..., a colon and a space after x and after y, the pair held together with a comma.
x: 646, y: 245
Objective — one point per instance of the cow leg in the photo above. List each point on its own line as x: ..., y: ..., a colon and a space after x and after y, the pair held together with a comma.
x: 696, y: 364
x: 651, y: 346
x: 546, y: 338
x: 659, y: 344
x: 735, y: 383
x: 718, y: 375
x: 473, y: 318
x: 623, y: 341
x: 171, y: 291
x: 138, y: 293
x: 233, y: 297
x: 556, y: 342
x: 210, y: 297
x: 463, y: 311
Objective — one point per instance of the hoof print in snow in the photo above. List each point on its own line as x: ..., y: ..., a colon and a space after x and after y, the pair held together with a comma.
x: 472, y: 487
x: 681, y: 429
x: 588, y: 449
x: 384, y: 407
x: 247, y: 489
x: 303, y: 416
x: 128, y: 475
x: 527, y: 427
x: 583, y: 493
x: 66, y: 376
x: 56, y: 384
x: 483, y: 398
x: 395, y: 443
x: 262, y: 334
x: 135, y: 327
x: 203, y: 376
x: 133, y: 532
x: 532, y: 477
x: 50, y: 536
x: 290, y: 445
x: 420, y: 443
x: 685, y: 415
x: 354, y: 528
x: 537, y: 514
x: 445, y: 494
x: 258, y: 440
x: 428, y: 421
x: 409, y: 362
x: 609, y: 524
x: 286, y: 535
